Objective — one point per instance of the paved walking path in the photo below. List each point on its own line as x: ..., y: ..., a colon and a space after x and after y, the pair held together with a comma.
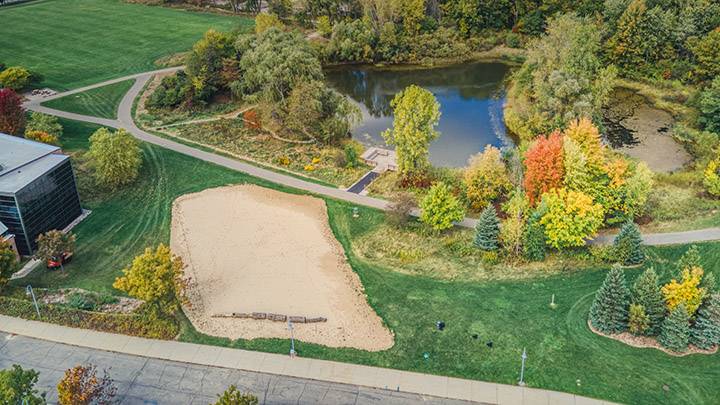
x: 126, y: 121
x: 144, y: 380
x: 362, y: 378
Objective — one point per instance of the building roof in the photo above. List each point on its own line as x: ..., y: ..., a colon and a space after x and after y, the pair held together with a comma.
x: 23, y: 160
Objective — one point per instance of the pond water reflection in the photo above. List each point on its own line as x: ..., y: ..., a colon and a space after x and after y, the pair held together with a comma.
x: 471, y: 97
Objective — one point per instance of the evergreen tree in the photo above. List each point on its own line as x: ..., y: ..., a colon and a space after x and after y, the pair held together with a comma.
x: 628, y: 245
x: 646, y: 292
x: 675, y: 332
x: 534, y: 247
x: 705, y: 333
x: 487, y: 229
x: 689, y: 260
x: 708, y: 282
x: 638, y: 321
x: 609, y: 311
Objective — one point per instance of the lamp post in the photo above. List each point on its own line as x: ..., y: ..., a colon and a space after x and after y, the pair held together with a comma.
x: 292, y: 339
x: 29, y: 291
x: 522, y: 369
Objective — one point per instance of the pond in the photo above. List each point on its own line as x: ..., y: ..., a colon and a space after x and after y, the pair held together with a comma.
x: 471, y: 98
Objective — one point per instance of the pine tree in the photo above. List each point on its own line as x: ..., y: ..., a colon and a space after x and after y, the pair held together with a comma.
x: 628, y: 245
x: 689, y: 260
x: 646, y: 292
x: 638, y: 321
x: 675, y: 331
x: 487, y: 230
x: 705, y: 333
x: 708, y: 282
x: 534, y: 247
x: 609, y: 311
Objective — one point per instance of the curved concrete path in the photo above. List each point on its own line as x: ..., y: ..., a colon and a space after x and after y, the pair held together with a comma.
x: 422, y: 386
x: 125, y: 120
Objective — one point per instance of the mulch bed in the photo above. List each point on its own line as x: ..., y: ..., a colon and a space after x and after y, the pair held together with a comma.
x: 650, y: 342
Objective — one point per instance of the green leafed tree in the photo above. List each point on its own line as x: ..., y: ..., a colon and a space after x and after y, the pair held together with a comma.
x: 562, y: 79
x: 675, y: 330
x: 115, y: 157
x: 440, y: 208
x: 8, y: 262
x: 710, y: 106
x: 609, y: 311
x: 416, y: 115
x: 487, y: 230
x: 17, y: 386
x: 53, y: 244
x: 646, y: 292
x: 534, y: 241
x: 156, y: 277
x: 705, y: 332
x: 628, y: 245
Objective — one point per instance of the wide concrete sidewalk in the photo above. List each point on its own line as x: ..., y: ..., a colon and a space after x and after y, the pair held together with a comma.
x: 320, y: 370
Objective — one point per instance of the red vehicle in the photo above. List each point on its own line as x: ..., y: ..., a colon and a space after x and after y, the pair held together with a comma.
x: 55, y: 262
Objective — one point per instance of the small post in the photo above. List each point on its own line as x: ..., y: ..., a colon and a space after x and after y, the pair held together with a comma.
x: 292, y: 339
x: 356, y: 212
x: 553, y: 305
x: 29, y: 291
x: 522, y: 369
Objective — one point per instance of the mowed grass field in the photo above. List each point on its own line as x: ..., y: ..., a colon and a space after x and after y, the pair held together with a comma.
x: 72, y: 43
x: 563, y: 354
x: 101, y: 102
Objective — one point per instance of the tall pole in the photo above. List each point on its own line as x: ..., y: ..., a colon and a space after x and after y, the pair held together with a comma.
x: 29, y: 291
x: 522, y: 368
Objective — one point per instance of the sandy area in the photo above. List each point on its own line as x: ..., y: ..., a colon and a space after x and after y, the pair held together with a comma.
x: 251, y: 249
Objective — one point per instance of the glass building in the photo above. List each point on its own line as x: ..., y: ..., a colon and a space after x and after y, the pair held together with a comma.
x: 37, y: 190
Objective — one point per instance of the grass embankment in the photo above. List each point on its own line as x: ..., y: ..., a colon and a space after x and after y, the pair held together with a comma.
x: 101, y: 102
x: 564, y: 354
x: 72, y: 43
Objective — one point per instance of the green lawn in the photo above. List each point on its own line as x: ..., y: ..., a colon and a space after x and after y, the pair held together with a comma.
x: 101, y: 102
x: 563, y: 354
x: 72, y: 43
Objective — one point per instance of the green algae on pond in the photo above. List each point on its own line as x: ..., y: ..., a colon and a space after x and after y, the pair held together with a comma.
x: 471, y: 98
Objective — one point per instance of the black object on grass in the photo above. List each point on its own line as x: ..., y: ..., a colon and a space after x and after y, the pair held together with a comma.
x: 440, y: 325
x: 489, y: 344
x: 475, y: 336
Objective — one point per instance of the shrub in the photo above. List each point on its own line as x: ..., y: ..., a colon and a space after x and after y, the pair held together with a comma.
x: 487, y: 230
x: 705, y: 332
x: 15, y: 78
x: 40, y: 136
x: 486, y: 178
x: 628, y: 245
x: 232, y: 396
x: 265, y: 21
x: 17, y: 386
x: 81, y: 386
x: 711, y: 177
x: 440, y: 208
x: 401, y: 206
x: 174, y: 91
x: 12, y: 113
x: 324, y: 26
x: 155, y: 277
x: 675, y: 331
x: 351, y: 154
x: 609, y: 311
x: 646, y: 293
x: 513, y: 40
x: 638, y: 321
x: 44, y: 123
x: 115, y: 158
x: 686, y: 292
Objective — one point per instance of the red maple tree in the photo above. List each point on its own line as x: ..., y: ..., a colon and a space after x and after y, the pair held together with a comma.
x: 544, y: 168
x: 12, y: 113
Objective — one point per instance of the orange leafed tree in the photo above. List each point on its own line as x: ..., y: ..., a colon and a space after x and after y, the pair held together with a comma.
x: 251, y: 119
x: 544, y: 166
x: 82, y: 386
